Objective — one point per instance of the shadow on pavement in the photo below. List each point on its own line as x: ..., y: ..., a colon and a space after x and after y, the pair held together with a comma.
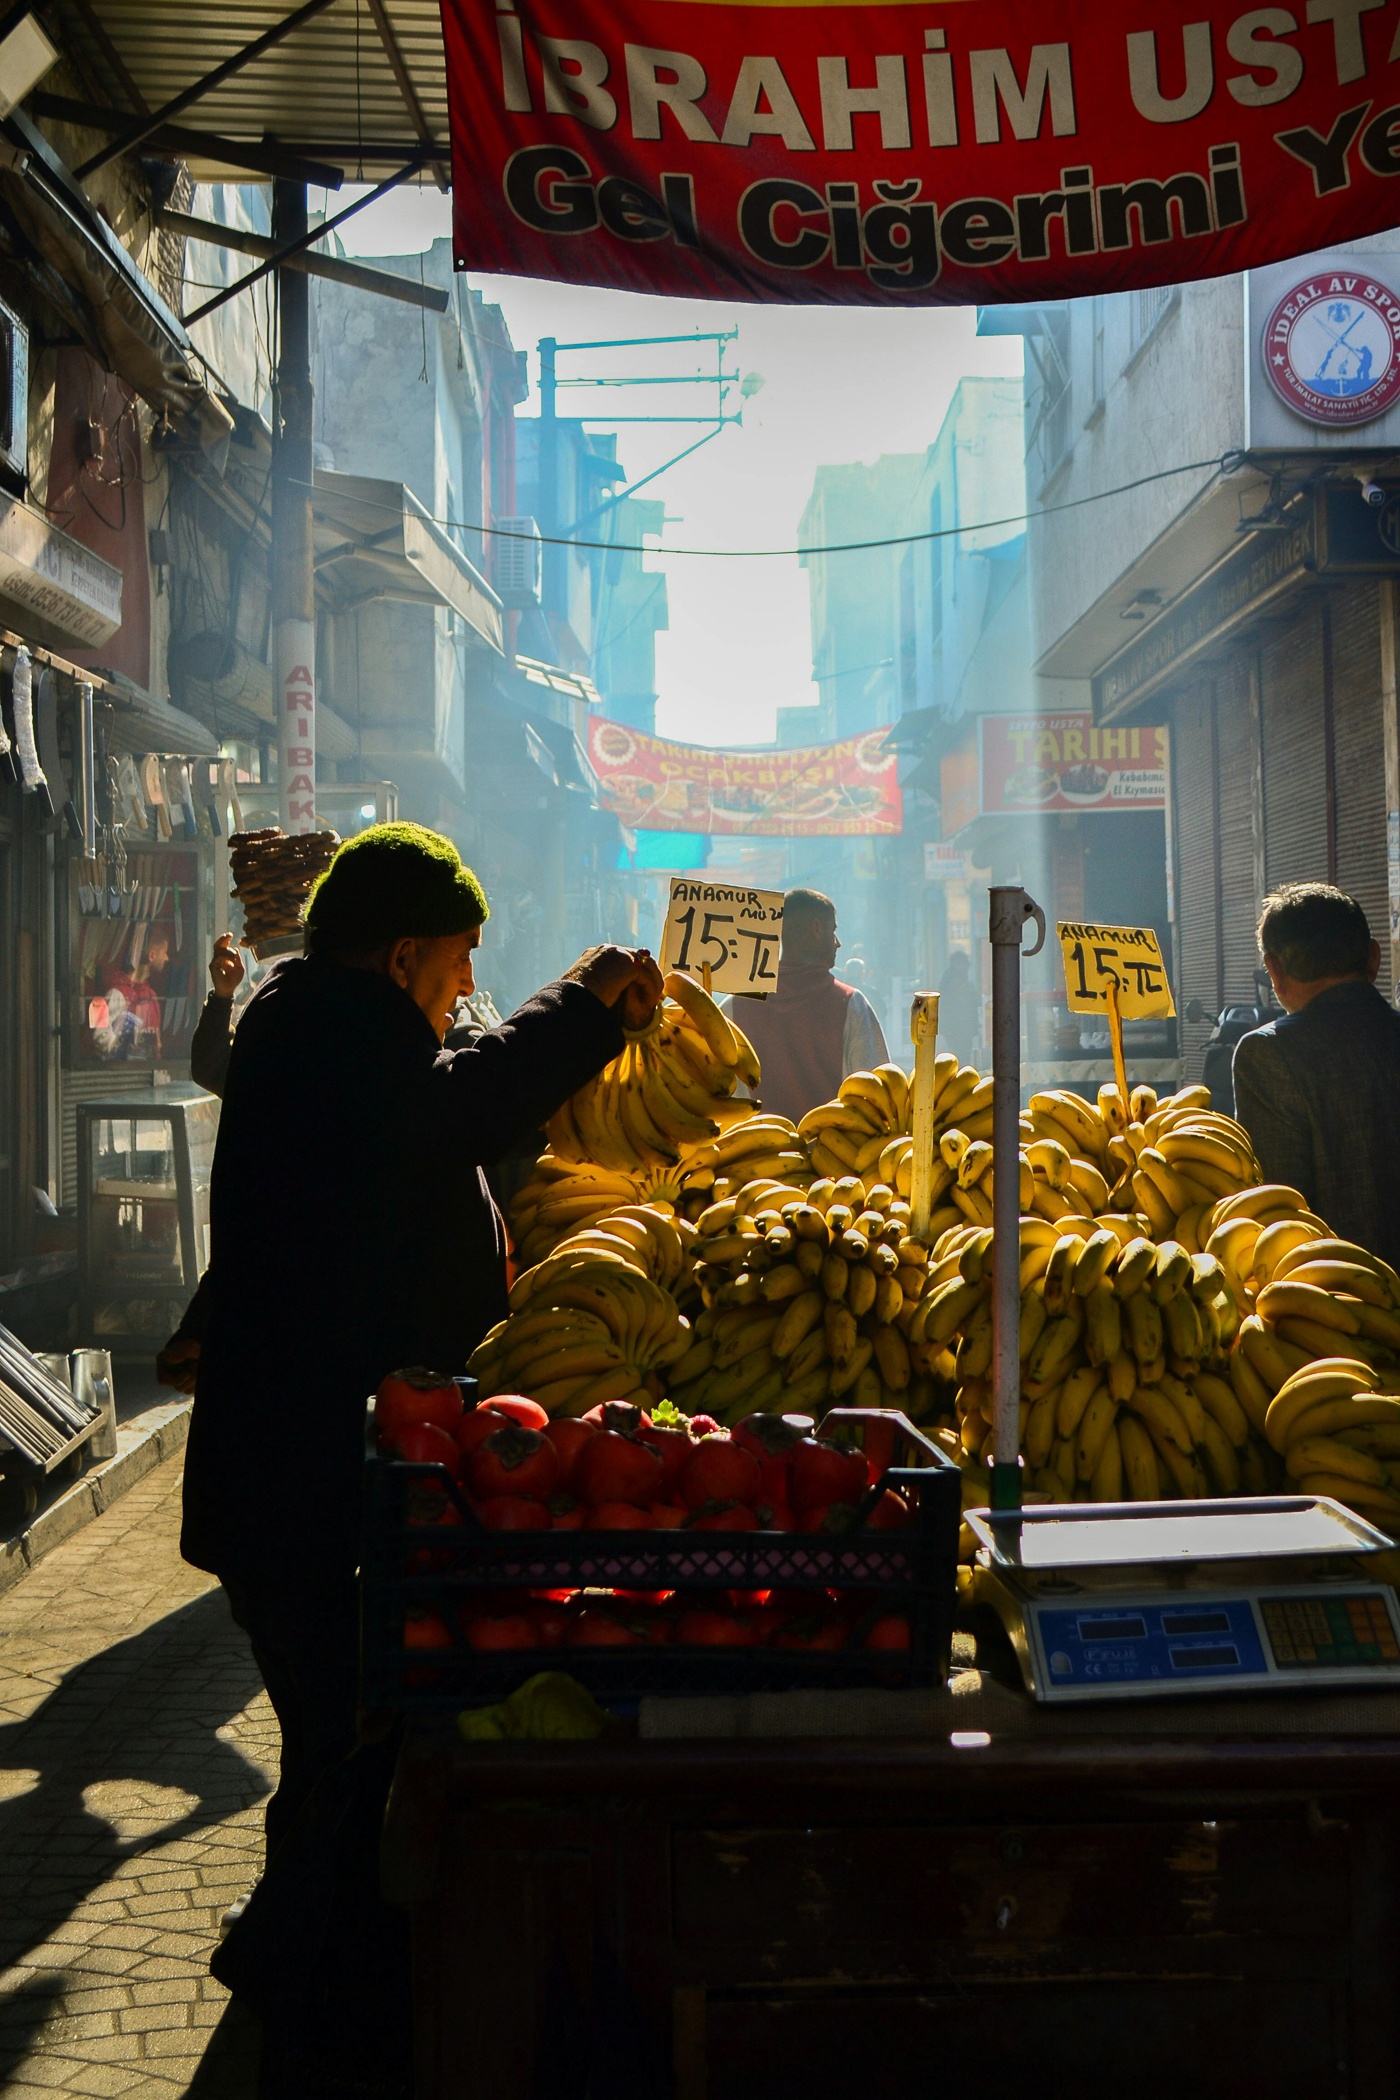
x: 145, y: 1712
x: 229, y: 2069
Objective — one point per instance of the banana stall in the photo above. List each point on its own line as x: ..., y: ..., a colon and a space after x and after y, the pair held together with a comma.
x: 954, y: 1605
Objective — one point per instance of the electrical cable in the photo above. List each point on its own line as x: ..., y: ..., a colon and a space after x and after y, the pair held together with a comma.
x: 1226, y: 463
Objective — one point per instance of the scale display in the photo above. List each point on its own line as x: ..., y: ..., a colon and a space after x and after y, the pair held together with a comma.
x: 1104, y: 1648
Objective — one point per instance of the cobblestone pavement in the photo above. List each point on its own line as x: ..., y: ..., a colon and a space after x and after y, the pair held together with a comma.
x: 136, y: 1748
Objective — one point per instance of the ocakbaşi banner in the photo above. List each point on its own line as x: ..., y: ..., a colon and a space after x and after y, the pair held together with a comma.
x: 841, y: 790
x: 883, y: 151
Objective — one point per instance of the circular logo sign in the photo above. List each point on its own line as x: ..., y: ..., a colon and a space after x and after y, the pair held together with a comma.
x: 1332, y: 348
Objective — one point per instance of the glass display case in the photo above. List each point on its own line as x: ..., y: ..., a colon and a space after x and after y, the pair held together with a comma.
x: 144, y: 1158
x: 140, y: 946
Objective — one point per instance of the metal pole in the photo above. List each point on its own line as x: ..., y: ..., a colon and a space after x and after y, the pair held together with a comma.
x: 1010, y: 907
x: 293, y: 550
x: 553, y: 556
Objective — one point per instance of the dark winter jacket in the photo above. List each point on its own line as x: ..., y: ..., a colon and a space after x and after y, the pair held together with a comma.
x: 1319, y: 1093
x: 352, y: 1232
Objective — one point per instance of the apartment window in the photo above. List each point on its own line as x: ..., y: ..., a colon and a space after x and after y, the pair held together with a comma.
x: 1097, y: 380
x: 1050, y: 350
x: 1148, y: 309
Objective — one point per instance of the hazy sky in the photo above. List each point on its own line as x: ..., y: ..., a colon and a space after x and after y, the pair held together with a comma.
x: 840, y: 384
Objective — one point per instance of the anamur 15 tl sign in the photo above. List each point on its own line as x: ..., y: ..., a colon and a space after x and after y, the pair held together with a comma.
x: 901, y: 151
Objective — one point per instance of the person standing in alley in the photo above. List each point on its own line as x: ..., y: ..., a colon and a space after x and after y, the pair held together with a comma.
x: 959, y: 1009
x: 1319, y: 1089
x: 814, y: 1029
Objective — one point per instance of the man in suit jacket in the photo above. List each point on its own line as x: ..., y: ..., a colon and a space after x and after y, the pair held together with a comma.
x: 1319, y: 1090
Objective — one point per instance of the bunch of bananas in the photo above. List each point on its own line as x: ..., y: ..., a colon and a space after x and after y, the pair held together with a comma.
x: 1336, y: 1425
x: 866, y: 1129
x: 763, y: 1148
x: 565, y: 1196
x: 1312, y: 1298
x: 807, y: 1298
x: 670, y: 1090
x: 1123, y: 1349
x: 596, y: 1320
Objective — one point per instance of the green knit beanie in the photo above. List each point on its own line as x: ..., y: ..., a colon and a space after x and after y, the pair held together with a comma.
x: 391, y: 881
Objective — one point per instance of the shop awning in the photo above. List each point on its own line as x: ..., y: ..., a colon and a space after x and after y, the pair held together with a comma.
x: 374, y: 540
x: 80, y: 268
x: 367, y: 85
x: 138, y: 721
x: 567, y: 755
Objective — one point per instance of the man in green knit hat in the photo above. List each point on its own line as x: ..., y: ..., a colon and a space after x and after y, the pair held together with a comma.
x: 353, y: 1232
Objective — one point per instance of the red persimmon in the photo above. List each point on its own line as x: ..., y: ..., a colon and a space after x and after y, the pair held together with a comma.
x: 424, y: 1443
x: 513, y: 1630
x: 513, y: 1513
x: 619, y: 1516
x: 725, y: 1516
x: 615, y: 1468
x: 484, y: 1420
x: 822, y: 1473
x: 719, y: 1470
x: 890, y: 1632
x: 415, y: 1395
x: 600, y: 1629
x: 568, y: 1438
x: 714, y: 1629
x: 514, y: 1461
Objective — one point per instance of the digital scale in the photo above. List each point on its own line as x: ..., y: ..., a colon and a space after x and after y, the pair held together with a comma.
x: 1139, y: 1600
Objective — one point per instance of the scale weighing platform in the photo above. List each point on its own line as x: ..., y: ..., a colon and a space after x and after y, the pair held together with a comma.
x: 1144, y: 1599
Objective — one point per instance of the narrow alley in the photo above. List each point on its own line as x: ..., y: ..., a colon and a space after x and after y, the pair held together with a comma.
x: 135, y: 1749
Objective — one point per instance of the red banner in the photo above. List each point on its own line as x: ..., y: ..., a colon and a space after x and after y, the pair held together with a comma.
x: 1064, y: 762
x: 838, y: 790
x: 881, y: 152
x: 1018, y: 765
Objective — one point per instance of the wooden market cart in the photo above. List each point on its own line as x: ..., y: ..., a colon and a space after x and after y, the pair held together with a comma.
x: 910, y: 1893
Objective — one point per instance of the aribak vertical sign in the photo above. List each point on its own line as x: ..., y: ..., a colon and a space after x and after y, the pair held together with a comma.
x: 897, y: 151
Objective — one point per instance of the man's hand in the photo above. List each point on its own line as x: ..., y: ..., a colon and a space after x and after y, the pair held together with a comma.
x: 178, y: 1364
x: 226, y: 971
x: 625, y: 978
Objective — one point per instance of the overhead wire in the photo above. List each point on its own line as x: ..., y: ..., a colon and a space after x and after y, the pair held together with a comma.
x: 1226, y: 463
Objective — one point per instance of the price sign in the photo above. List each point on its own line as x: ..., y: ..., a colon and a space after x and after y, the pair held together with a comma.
x: 737, y: 932
x: 1115, y: 966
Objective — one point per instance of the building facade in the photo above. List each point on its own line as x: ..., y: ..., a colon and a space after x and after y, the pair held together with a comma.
x: 1244, y: 595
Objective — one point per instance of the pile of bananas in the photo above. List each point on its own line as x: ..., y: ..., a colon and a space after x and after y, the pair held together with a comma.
x: 1336, y: 1426
x: 807, y: 1299
x: 1124, y: 1346
x: 596, y: 1320
x: 670, y: 1090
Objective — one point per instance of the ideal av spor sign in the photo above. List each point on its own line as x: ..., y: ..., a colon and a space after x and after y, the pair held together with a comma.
x: 1332, y: 347
x: 906, y: 152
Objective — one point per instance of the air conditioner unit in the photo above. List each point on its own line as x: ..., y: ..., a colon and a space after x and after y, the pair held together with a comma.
x: 519, y: 562
x: 14, y: 399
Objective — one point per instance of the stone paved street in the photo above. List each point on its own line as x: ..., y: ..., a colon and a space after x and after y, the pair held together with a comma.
x: 135, y: 1752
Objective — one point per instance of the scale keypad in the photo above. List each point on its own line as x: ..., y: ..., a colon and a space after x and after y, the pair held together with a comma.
x: 1329, y: 1633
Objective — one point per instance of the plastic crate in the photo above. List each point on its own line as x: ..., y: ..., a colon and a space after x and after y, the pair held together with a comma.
x: 412, y: 1566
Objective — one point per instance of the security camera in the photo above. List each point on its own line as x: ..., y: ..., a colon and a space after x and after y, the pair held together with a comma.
x: 1373, y: 495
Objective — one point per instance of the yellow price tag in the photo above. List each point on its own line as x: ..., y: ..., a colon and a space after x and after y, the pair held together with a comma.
x: 1101, y: 961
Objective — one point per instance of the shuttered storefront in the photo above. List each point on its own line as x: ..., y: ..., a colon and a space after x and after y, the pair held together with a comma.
x: 1237, y: 746
x: 1214, y: 746
x: 1195, y: 825
x: 1359, y: 757
x: 1295, y: 747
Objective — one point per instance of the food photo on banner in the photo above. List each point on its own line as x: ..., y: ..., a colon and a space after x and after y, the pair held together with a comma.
x: 838, y: 790
x: 1015, y: 149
